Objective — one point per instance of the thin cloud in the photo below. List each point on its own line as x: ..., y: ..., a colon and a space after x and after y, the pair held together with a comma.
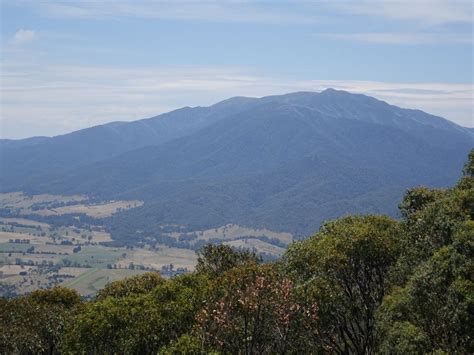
x: 212, y: 11
x: 49, y: 100
x: 23, y: 36
x: 401, y: 38
x: 430, y: 12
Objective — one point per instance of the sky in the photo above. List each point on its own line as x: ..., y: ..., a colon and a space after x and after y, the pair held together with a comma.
x: 67, y: 65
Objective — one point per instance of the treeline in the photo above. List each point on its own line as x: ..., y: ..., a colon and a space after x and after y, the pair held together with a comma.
x: 361, y: 285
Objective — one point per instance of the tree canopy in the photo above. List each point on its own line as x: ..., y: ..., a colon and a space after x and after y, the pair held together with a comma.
x: 360, y: 285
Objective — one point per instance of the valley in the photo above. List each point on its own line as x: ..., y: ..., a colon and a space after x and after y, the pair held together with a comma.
x: 63, y: 250
x: 34, y: 256
x: 118, y: 199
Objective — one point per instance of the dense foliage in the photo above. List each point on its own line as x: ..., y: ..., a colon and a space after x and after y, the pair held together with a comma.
x: 362, y: 285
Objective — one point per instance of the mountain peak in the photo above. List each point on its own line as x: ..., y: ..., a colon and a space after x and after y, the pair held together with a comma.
x: 248, y: 161
x: 336, y: 92
x: 331, y: 91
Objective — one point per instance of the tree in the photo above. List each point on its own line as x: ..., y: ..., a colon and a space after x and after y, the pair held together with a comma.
x: 186, y: 344
x: 137, y: 322
x: 469, y: 167
x: 416, y: 199
x: 430, y: 220
x: 139, y: 284
x: 34, y: 324
x: 252, y: 310
x: 115, y: 325
x: 467, y: 180
x: 435, y: 310
x: 344, y: 268
x: 214, y: 260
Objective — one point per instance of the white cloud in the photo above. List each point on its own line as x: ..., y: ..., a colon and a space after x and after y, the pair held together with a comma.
x: 23, y: 36
x: 401, y: 38
x: 49, y: 100
x: 215, y: 11
x: 429, y: 12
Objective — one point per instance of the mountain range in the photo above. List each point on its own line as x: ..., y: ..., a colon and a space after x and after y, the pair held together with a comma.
x: 285, y: 162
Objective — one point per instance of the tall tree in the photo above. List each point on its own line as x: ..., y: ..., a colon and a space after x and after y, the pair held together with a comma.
x: 253, y: 310
x: 344, y: 269
x: 34, y: 324
x: 214, y: 260
x: 434, y: 312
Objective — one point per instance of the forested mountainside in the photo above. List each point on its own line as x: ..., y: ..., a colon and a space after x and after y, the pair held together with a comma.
x: 286, y: 163
x: 360, y: 285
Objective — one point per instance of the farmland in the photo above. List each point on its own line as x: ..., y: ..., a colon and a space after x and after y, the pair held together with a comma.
x: 54, y: 205
x: 45, y: 242
x: 37, y: 255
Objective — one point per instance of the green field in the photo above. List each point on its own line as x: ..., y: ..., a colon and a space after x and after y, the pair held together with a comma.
x: 96, y: 256
x: 92, y: 280
x: 14, y: 247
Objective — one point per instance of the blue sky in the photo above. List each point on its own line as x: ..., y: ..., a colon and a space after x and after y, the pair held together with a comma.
x: 67, y: 65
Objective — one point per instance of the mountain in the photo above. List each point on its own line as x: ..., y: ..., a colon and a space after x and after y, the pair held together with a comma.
x: 16, y: 143
x: 284, y: 162
x: 40, y: 155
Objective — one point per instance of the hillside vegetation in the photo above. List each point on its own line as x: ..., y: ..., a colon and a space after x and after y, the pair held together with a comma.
x: 361, y: 285
x: 283, y: 163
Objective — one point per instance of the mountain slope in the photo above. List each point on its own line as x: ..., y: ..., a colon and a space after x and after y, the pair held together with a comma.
x: 283, y: 162
x: 41, y: 155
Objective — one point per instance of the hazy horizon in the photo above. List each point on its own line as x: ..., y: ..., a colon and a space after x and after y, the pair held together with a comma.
x: 71, y: 65
x: 214, y: 103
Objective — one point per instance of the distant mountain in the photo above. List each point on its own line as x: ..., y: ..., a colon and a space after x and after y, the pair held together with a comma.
x: 16, y: 143
x: 283, y: 162
x: 40, y: 155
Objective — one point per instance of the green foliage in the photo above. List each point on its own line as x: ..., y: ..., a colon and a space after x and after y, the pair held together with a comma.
x: 214, y: 260
x: 362, y: 284
x: 253, y: 310
x: 115, y: 325
x: 416, y: 199
x: 430, y: 227
x: 135, y: 285
x: 140, y: 322
x: 469, y: 167
x: 344, y: 268
x: 180, y: 301
x: 404, y: 338
x: 438, y: 300
x: 59, y: 296
x: 186, y: 345
x: 431, y: 309
x: 467, y: 182
x: 34, y: 324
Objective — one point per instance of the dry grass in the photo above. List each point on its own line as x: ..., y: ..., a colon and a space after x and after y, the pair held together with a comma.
x: 55, y: 258
x: 26, y: 222
x: 55, y: 248
x: 20, y: 200
x: 76, y: 271
x: 100, y: 237
x: 12, y: 270
x: 6, y: 236
x: 163, y: 256
x: 258, y: 245
x: 232, y: 232
x: 96, y: 211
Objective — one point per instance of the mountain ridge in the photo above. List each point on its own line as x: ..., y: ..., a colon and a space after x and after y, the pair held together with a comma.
x: 286, y: 162
x: 231, y: 100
